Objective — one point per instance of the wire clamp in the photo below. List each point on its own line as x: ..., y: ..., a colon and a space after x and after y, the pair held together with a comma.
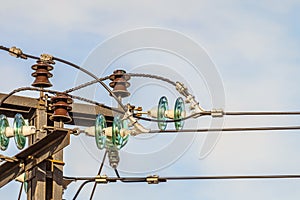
x: 101, y: 179
x: 180, y: 87
x: 217, y: 113
x: 47, y: 58
x: 16, y: 52
x: 154, y: 179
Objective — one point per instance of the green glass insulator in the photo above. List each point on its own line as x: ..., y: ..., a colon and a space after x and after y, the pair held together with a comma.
x: 4, y: 141
x: 117, y: 139
x: 100, y: 137
x: 20, y: 139
x: 25, y: 183
x: 179, y: 113
x: 161, y: 109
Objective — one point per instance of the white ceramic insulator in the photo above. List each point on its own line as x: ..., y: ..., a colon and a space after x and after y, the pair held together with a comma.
x: 108, y: 131
x: 90, y: 131
x: 124, y: 132
x: 9, y: 132
x: 153, y: 112
x: 28, y: 130
x: 183, y: 114
x: 21, y: 178
x: 169, y: 114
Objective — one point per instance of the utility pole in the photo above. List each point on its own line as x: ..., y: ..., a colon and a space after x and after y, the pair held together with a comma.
x: 43, y: 160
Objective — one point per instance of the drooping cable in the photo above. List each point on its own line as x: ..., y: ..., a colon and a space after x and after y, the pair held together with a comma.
x: 25, y: 89
x: 117, y: 173
x: 153, y: 77
x: 80, y: 188
x: 98, y: 174
x: 21, y: 89
x: 20, y: 191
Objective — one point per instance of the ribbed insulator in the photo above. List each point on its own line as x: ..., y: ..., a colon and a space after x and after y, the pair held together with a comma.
x: 119, y: 83
x: 61, y: 107
x: 42, y: 74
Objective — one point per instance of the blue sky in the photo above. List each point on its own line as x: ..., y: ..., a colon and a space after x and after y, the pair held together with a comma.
x: 255, y: 47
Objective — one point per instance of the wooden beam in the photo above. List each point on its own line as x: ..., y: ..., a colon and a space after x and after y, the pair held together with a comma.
x: 33, y: 155
x: 82, y: 114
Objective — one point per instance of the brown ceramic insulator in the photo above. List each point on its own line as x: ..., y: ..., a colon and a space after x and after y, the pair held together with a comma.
x: 119, y: 83
x: 118, y: 74
x: 61, y: 106
x: 42, y: 74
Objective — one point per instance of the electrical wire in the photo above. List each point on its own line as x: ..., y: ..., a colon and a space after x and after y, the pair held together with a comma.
x: 85, y: 85
x: 20, y: 192
x: 80, y: 188
x: 117, y: 173
x: 25, y: 89
x: 172, y: 120
x: 296, y: 176
x: 271, y: 128
x: 262, y: 113
x: 130, y: 74
x: 153, y: 77
x: 98, y: 174
x: 182, y: 178
x: 205, y: 113
x: 22, y: 55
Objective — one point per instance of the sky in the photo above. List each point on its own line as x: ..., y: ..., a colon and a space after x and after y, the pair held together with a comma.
x: 252, y: 48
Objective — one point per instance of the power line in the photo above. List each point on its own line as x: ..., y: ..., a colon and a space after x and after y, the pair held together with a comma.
x: 262, y: 113
x: 185, y: 178
x: 21, y: 89
x: 129, y: 74
x: 270, y: 128
x: 80, y: 188
x: 85, y: 85
x: 98, y: 174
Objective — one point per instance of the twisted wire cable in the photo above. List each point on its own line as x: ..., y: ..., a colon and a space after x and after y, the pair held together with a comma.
x: 85, y: 85
x: 153, y: 77
x: 130, y: 74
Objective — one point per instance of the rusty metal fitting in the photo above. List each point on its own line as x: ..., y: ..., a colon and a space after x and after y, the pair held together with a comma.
x: 61, y: 107
x: 42, y: 74
x: 119, y: 83
x: 155, y: 179
x: 47, y: 58
x: 16, y: 52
